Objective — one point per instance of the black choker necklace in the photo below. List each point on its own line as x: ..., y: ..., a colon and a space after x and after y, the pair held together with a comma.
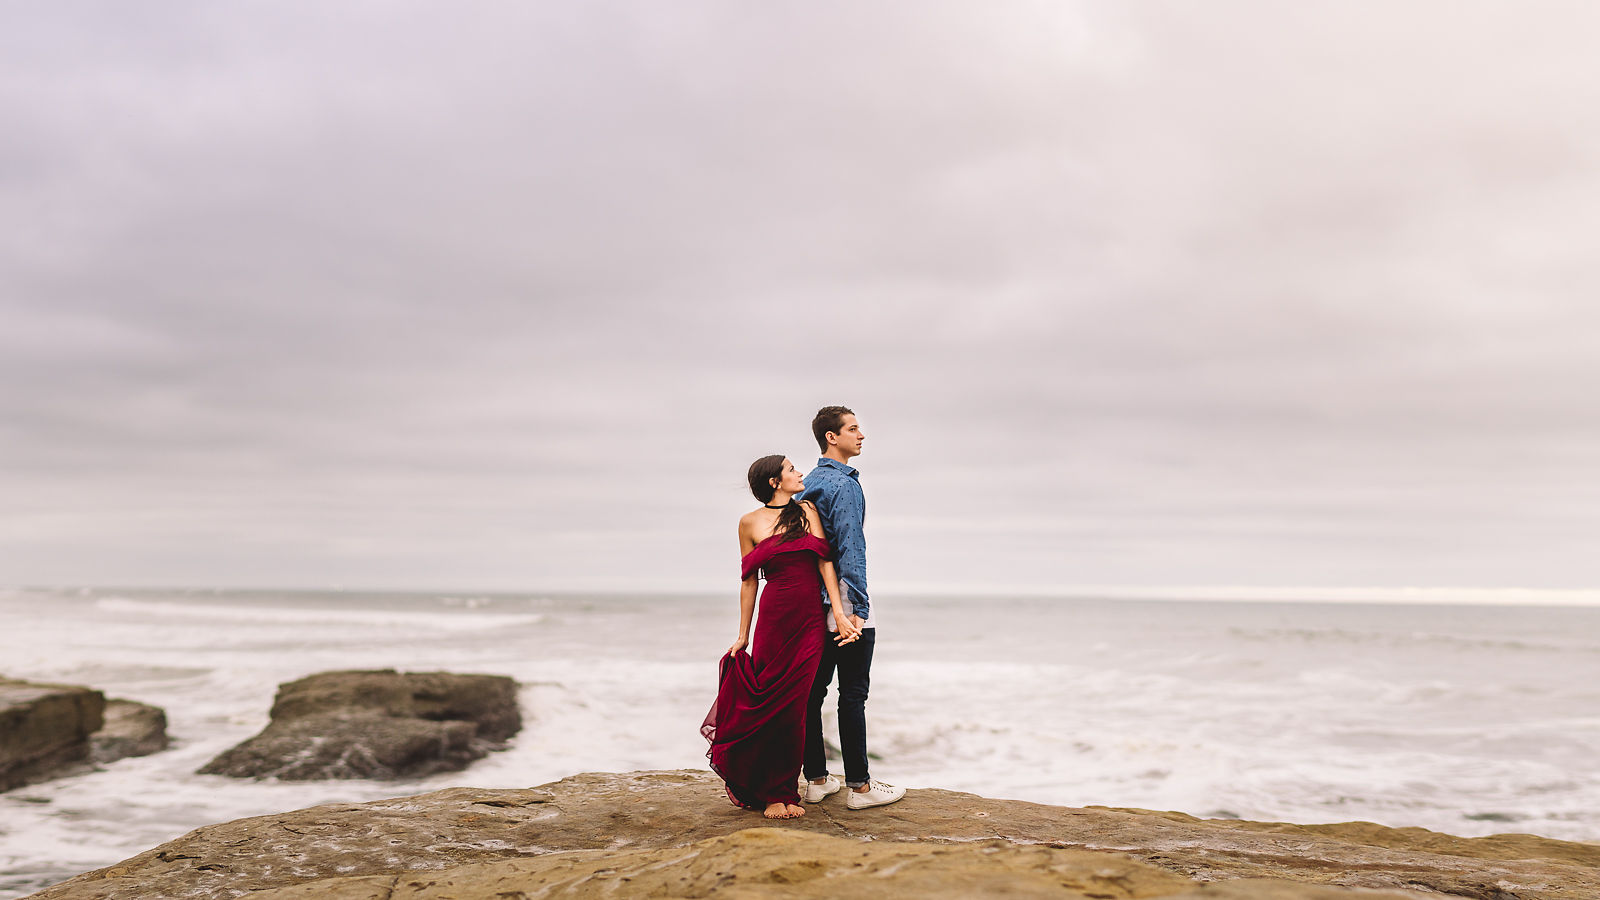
x: 785, y: 506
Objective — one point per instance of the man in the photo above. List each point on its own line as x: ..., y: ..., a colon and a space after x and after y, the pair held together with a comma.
x: 835, y: 487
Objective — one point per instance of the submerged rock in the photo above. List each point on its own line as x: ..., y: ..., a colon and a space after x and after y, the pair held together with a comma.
x: 673, y: 834
x: 377, y: 724
x: 45, y: 729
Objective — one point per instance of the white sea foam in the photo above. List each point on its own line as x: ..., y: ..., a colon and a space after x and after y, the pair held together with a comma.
x: 1471, y: 720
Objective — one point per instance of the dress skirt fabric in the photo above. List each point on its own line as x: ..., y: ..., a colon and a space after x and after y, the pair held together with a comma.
x: 757, y: 727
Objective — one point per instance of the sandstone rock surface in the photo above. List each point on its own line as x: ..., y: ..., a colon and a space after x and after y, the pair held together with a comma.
x: 377, y: 724
x: 772, y: 862
x: 131, y: 729
x: 673, y: 834
x: 44, y: 729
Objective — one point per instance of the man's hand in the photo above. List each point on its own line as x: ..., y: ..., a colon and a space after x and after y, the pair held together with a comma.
x: 857, y: 621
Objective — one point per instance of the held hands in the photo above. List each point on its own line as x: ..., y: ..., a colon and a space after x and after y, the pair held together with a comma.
x: 849, y: 628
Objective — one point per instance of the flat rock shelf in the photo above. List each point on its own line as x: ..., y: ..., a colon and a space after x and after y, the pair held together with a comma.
x: 673, y: 834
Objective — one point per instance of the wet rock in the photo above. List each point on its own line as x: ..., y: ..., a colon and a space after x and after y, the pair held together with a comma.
x: 674, y: 834
x: 131, y: 729
x: 377, y: 724
x: 45, y: 729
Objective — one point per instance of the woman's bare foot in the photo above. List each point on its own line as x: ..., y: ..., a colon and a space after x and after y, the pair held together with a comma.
x: 796, y: 812
x: 776, y: 811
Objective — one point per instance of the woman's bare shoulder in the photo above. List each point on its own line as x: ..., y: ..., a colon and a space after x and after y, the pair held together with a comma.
x: 813, y: 518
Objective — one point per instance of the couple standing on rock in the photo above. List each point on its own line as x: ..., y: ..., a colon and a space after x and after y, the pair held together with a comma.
x: 806, y: 540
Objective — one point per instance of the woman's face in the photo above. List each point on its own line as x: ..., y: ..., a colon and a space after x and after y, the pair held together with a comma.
x: 791, y: 480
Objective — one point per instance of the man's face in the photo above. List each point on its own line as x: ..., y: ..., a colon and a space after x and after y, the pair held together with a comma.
x: 849, y: 437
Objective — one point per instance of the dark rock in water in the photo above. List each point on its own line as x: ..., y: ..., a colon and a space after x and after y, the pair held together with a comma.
x: 131, y: 729
x: 489, y: 701
x: 354, y: 746
x: 674, y: 834
x: 44, y: 729
x: 380, y: 724
x: 50, y: 730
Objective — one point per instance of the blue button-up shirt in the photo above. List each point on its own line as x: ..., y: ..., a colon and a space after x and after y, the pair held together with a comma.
x: 836, y: 490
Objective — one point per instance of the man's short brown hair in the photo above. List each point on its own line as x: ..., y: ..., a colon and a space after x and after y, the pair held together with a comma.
x: 829, y: 418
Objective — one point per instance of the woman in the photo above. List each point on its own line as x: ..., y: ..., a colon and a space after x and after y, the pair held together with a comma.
x: 757, y: 726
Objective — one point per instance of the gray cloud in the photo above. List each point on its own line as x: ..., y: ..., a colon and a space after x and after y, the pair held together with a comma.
x: 507, y: 296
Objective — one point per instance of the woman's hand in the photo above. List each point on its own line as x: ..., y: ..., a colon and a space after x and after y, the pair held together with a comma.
x: 738, y: 645
x: 848, y: 630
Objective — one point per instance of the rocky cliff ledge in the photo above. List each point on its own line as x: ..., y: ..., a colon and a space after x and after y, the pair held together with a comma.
x: 672, y: 834
x: 44, y: 727
x: 50, y: 730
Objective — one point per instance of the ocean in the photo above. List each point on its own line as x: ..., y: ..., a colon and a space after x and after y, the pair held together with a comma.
x: 1468, y: 719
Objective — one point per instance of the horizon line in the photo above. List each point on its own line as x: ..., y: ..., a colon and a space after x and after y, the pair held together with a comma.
x: 1411, y: 594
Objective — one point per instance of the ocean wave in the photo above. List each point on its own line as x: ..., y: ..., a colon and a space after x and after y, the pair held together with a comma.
x: 279, y: 615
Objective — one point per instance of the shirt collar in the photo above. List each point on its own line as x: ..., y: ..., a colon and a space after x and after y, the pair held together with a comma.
x: 830, y: 461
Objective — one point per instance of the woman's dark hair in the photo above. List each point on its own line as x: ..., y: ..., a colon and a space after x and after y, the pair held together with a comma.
x: 829, y: 418
x: 763, y: 472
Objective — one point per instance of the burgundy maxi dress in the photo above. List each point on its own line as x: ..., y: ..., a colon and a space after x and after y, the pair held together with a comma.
x: 757, y: 727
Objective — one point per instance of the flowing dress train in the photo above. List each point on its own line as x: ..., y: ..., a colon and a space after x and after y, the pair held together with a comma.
x: 757, y: 727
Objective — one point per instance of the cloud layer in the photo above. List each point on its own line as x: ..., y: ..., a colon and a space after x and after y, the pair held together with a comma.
x: 507, y: 296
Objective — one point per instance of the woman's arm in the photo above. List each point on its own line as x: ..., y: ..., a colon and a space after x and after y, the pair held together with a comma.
x: 747, y: 610
x: 747, y: 590
x: 830, y: 581
x: 843, y: 517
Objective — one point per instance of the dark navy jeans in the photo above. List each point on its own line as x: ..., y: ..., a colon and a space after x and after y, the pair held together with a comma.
x: 853, y: 662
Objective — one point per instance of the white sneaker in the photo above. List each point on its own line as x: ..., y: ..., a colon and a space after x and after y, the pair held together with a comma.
x: 815, y: 792
x: 876, y: 794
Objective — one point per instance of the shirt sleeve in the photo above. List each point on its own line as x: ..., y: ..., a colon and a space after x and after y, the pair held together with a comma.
x: 842, y: 516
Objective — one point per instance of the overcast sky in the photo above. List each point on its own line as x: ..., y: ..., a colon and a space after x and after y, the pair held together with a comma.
x: 507, y: 295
